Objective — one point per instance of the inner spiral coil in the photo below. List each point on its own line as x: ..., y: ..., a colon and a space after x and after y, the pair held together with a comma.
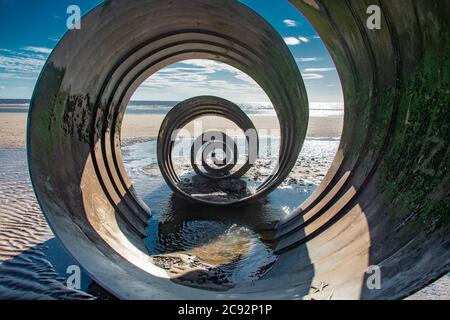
x: 207, y: 145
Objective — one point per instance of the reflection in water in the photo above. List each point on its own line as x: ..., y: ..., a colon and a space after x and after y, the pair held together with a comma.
x: 210, y: 247
x: 217, y: 248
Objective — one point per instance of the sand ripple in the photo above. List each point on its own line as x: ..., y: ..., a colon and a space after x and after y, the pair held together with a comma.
x: 25, y: 272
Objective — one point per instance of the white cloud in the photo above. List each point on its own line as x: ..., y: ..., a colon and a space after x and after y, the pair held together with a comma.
x: 311, y: 76
x: 244, y: 77
x: 319, y: 69
x: 312, y: 59
x: 291, y: 41
x: 199, y: 77
x: 38, y: 50
x: 21, y: 64
x: 2, y: 87
x: 290, y: 23
x: 210, y: 65
x: 10, y: 76
x: 24, y: 64
x: 303, y: 39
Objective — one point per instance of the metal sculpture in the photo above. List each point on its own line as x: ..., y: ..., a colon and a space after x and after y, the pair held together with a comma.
x: 384, y: 202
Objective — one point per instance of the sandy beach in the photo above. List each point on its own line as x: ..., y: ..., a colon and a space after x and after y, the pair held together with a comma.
x: 33, y: 264
x: 138, y: 126
x: 13, y: 127
x: 241, y: 248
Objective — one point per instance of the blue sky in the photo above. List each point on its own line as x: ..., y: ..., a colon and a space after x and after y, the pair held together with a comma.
x: 31, y: 29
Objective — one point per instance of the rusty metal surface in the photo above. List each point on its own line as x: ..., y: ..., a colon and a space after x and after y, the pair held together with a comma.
x: 384, y: 202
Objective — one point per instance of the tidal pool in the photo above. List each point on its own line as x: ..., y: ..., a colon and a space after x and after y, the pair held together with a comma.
x: 218, y: 248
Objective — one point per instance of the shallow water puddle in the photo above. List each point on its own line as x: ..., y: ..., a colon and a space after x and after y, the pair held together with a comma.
x: 218, y: 248
x: 212, y: 261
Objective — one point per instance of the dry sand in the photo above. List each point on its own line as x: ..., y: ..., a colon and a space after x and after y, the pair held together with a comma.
x: 13, y: 127
x: 138, y: 126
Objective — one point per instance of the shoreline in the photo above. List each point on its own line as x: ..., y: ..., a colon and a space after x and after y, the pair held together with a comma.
x: 143, y: 127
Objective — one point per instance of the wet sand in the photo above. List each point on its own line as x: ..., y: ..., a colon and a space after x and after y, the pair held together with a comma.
x: 13, y: 127
x: 33, y: 263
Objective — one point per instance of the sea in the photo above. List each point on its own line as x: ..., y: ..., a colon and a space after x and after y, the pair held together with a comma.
x: 317, y: 109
